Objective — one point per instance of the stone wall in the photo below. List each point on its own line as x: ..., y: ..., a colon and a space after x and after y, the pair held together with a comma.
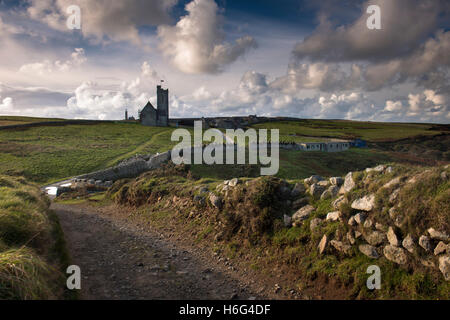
x: 128, y: 169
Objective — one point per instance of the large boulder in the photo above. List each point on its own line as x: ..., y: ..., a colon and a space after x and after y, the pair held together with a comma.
x: 302, y: 214
x: 444, y: 266
x: 365, y: 203
x: 369, y: 251
x: 395, y: 254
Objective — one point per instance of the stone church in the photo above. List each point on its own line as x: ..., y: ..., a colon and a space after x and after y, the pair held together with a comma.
x: 149, y: 116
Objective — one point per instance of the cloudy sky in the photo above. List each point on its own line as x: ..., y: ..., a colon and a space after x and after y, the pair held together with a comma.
x: 306, y: 59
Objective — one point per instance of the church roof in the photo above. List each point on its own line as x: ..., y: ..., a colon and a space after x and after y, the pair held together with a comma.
x: 148, y: 106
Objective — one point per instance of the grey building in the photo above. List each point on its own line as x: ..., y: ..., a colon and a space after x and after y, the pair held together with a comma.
x: 149, y: 116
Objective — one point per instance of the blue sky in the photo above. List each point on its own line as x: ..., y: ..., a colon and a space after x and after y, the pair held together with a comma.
x: 307, y: 59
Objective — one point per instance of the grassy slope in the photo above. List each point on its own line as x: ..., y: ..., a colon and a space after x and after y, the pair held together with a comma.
x: 371, y: 131
x: 12, y: 120
x: 33, y: 255
x: 46, y: 154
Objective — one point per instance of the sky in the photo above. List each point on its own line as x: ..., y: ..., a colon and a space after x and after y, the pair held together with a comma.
x: 303, y: 58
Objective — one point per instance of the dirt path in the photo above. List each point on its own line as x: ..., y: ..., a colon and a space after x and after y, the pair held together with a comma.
x: 121, y: 261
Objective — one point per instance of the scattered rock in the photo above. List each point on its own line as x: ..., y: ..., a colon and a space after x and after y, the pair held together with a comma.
x: 441, y: 248
x: 315, y: 222
x: 438, y: 235
x: 394, y: 195
x: 299, y: 189
x: 233, y: 182
x: 379, y: 168
x: 366, y: 203
x: 375, y: 238
x: 380, y: 227
x: 331, y: 192
x: 340, y: 246
x: 392, y: 183
x: 428, y: 262
x: 216, y: 201
x: 349, y: 183
x: 336, y: 181
x: 425, y: 243
x: 287, y: 221
x: 368, y: 223
x: 323, y: 244
x: 369, y: 251
x: 444, y: 266
x: 395, y: 254
x: 408, y: 244
x: 352, y: 221
x: 357, y: 234
x: 338, y: 202
x: 392, y: 237
x: 360, y: 217
x: 300, y: 203
x: 333, y: 216
x: 316, y: 190
x: 302, y: 214
x: 389, y: 169
x: 351, y: 238
x: 313, y: 179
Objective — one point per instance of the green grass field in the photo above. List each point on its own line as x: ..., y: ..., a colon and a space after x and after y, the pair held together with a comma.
x: 12, y: 120
x: 47, y: 154
x: 295, y: 131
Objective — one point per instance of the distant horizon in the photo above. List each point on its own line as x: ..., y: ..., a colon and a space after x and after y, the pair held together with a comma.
x: 237, y: 116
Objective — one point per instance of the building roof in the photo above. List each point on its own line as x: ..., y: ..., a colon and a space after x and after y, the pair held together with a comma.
x: 148, y: 106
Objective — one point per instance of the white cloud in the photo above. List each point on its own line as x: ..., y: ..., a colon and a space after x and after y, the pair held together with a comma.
x: 104, y: 19
x: 77, y: 58
x: 393, y: 106
x: 196, y: 43
x: 7, y: 104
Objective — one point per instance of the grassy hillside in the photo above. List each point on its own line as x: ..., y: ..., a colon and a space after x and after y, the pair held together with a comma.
x: 45, y: 154
x: 292, y: 131
x: 13, y: 120
x: 32, y: 249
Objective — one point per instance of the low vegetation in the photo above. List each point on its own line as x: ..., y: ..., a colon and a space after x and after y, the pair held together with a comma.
x: 297, y: 130
x: 245, y: 222
x: 32, y: 248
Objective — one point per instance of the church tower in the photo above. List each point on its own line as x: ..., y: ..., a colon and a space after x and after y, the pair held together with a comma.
x: 162, y: 106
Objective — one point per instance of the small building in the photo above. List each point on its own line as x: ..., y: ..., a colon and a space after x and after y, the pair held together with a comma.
x: 333, y: 146
x: 149, y: 116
